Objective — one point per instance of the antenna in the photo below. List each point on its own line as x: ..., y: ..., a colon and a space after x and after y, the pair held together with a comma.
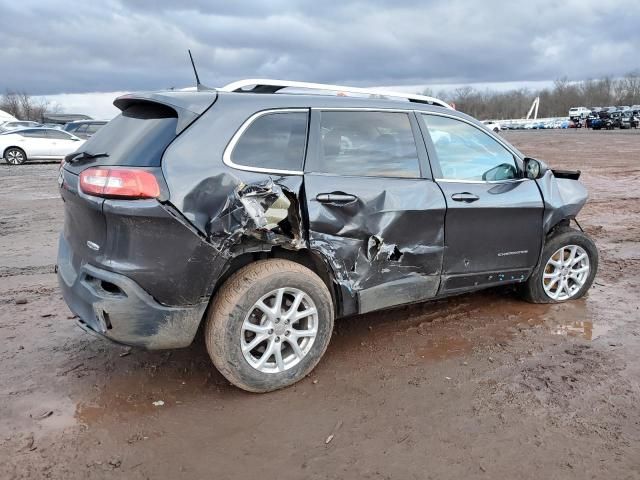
x: 198, y: 84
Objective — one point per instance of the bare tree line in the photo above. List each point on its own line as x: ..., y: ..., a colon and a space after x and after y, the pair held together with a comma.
x: 24, y: 107
x: 554, y: 102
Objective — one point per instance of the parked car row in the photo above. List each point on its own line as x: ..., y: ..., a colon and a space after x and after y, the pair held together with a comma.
x: 536, y: 124
x: 609, y: 119
x: 24, y: 140
x: 582, y: 113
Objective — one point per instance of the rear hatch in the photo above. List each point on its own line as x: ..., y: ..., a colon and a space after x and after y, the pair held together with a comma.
x: 135, y: 139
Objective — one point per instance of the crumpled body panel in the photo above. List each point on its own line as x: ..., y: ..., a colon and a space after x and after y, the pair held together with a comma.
x: 386, y: 246
x: 563, y: 198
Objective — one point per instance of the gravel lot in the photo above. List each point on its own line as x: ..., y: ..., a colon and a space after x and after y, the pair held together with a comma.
x: 478, y: 386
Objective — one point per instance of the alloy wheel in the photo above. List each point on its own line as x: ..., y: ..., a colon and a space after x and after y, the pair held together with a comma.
x: 15, y: 157
x: 566, y: 272
x: 279, y: 330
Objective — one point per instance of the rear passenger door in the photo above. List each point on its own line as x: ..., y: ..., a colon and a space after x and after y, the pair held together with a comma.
x: 373, y: 209
x: 493, y: 226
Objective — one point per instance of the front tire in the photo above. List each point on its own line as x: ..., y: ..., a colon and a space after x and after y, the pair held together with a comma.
x: 269, y: 325
x: 15, y: 156
x: 567, y: 267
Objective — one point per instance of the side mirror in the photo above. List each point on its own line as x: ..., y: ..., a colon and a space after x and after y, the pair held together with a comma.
x: 534, y: 169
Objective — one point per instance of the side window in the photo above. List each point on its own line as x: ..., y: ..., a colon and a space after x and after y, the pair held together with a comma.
x: 34, y: 133
x: 275, y: 141
x: 367, y: 144
x: 467, y: 153
x: 59, y: 135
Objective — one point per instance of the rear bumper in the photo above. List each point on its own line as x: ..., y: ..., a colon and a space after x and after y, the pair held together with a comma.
x: 114, y: 306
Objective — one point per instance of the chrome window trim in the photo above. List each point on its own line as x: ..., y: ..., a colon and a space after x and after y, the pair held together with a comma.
x: 487, y: 132
x: 363, y: 109
x: 226, y: 156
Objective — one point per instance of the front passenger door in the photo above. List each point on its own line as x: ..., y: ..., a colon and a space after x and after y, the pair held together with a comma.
x: 493, y: 224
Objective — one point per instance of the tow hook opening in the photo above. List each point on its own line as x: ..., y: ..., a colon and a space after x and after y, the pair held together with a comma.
x: 111, y: 288
x: 105, y: 286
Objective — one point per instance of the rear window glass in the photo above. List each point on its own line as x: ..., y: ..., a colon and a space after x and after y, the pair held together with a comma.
x: 136, y: 137
x: 275, y: 141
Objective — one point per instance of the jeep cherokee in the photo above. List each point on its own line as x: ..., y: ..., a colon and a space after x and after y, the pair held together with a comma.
x: 264, y: 215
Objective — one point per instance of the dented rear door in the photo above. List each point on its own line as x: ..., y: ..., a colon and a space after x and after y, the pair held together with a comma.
x: 373, y: 210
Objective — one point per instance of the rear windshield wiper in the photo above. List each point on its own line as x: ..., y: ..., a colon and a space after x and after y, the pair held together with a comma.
x: 77, y: 157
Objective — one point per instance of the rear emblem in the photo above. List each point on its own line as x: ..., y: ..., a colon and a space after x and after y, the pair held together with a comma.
x: 93, y: 246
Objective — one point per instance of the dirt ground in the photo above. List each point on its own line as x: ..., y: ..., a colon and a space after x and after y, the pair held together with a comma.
x: 477, y: 386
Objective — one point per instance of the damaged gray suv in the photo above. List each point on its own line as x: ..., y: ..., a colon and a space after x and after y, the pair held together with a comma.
x: 266, y: 209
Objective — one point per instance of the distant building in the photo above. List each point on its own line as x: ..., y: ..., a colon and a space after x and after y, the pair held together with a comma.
x: 5, y: 117
x: 63, y: 118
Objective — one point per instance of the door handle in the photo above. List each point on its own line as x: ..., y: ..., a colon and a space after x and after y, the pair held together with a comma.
x: 465, y: 197
x: 336, y: 198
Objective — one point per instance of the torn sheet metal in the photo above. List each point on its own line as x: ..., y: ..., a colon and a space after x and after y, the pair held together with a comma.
x: 563, y: 198
x: 231, y: 209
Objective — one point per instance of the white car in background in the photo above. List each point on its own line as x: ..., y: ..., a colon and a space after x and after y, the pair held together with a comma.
x: 491, y: 125
x: 18, y: 146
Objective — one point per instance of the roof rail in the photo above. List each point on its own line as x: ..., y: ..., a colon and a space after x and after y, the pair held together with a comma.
x: 264, y: 85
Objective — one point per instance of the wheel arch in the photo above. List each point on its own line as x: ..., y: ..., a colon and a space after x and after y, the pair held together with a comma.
x: 313, y: 260
x: 17, y: 147
x: 561, y: 225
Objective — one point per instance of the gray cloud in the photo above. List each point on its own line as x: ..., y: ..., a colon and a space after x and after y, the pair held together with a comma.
x: 67, y: 46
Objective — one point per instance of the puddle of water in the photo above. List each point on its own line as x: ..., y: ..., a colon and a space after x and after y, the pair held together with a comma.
x: 489, y: 318
x: 444, y: 348
x: 574, y: 319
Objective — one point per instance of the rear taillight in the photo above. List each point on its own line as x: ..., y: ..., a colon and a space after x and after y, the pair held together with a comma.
x: 119, y: 183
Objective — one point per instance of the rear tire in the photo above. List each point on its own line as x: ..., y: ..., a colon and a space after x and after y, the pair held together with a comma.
x: 15, y: 156
x: 557, y: 265
x: 239, y: 333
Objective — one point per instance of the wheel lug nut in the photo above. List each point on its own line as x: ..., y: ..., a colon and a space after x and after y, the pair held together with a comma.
x: 286, y: 334
x: 271, y: 331
x: 277, y: 339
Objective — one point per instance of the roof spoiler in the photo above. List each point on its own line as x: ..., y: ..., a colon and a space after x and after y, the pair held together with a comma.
x: 189, y: 105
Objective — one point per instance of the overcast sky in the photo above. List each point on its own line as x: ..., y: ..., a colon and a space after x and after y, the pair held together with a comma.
x: 68, y: 47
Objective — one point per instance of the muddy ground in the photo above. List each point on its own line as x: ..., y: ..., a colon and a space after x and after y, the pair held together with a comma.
x: 478, y: 386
